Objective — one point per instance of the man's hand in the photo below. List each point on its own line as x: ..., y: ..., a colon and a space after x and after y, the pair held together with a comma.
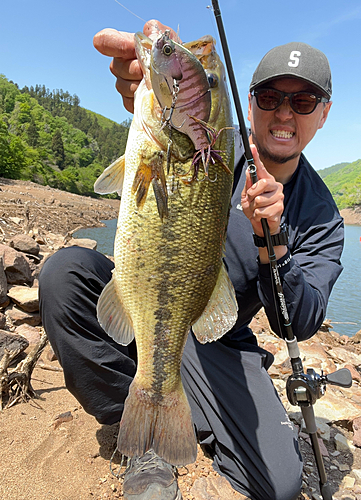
x: 125, y: 66
x: 264, y: 199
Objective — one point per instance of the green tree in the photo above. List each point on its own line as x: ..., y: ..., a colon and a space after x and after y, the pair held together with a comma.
x: 33, y: 133
x: 12, y: 154
x: 57, y: 146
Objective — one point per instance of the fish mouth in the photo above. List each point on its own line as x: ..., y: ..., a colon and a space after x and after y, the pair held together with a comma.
x: 143, y: 46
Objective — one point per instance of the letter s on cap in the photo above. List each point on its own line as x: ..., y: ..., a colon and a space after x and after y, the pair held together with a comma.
x: 294, y: 59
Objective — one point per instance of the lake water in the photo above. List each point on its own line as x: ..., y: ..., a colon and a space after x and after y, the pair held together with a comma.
x: 344, y: 308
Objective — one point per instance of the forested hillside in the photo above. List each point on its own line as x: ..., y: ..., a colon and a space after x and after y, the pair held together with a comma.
x: 324, y: 172
x: 345, y: 185
x: 48, y: 138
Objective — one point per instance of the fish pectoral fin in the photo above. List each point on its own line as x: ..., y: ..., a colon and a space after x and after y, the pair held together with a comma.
x: 151, y: 171
x: 220, y: 314
x: 111, y: 180
x: 112, y: 316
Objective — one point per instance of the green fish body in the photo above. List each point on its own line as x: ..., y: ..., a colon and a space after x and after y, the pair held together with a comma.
x: 169, y: 275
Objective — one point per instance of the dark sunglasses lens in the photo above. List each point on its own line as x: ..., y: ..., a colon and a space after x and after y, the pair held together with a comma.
x: 304, y: 103
x: 268, y: 99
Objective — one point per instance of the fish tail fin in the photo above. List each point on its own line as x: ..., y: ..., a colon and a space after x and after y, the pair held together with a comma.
x: 165, y: 426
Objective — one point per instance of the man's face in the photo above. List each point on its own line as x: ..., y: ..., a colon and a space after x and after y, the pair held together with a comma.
x: 281, y: 135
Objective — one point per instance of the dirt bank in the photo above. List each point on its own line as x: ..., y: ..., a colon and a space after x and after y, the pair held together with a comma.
x: 24, y: 203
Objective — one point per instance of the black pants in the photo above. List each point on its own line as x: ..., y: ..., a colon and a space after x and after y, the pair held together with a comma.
x: 236, y: 410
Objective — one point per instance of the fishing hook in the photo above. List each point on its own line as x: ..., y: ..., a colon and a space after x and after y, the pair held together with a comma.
x: 168, y: 121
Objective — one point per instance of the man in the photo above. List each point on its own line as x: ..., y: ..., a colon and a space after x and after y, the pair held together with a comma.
x: 238, y: 416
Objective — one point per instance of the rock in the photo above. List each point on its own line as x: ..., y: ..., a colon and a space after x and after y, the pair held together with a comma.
x: 16, y: 266
x: 83, y: 242
x: 25, y: 243
x: 333, y: 408
x: 312, y: 354
x: 342, y: 443
x: 357, y: 474
x: 321, y: 444
x: 26, y: 298
x: 214, y: 488
x: 18, y: 317
x: 2, y: 321
x: 316, y: 496
x: 16, y: 220
x: 356, y: 427
x: 281, y: 357
x: 348, y: 482
x: 5, y: 303
x: 315, y: 356
x: 31, y: 333
x: 354, y: 373
x: 60, y: 419
x: 323, y: 429
x: 55, y: 241
x: 11, y: 342
x: 51, y: 356
x: 3, y: 281
x: 356, y: 339
x: 343, y: 355
x: 270, y: 347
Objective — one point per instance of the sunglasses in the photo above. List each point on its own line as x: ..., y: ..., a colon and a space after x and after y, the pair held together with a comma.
x: 302, y: 103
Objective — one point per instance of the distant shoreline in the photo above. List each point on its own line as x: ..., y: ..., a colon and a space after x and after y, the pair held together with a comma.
x: 352, y: 216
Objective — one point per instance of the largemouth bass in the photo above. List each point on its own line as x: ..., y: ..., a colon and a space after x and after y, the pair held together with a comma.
x: 175, y: 180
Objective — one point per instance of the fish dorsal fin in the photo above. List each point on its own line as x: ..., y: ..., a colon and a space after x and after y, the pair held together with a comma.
x: 220, y: 314
x: 111, y: 180
x: 112, y: 316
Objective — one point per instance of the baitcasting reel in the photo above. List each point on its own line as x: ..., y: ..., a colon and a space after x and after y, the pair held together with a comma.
x: 303, y: 389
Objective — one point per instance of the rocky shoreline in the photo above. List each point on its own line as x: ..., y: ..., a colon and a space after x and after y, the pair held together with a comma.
x: 352, y: 215
x: 35, y: 221
x: 26, y: 206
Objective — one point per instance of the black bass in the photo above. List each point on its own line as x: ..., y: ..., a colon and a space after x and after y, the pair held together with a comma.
x: 175, y: 180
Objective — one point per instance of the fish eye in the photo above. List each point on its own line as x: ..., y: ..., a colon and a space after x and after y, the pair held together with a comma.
x: 167, y: 49
x: 212, y: 80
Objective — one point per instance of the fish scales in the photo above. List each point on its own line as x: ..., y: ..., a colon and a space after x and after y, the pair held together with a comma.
x: 168, y: 272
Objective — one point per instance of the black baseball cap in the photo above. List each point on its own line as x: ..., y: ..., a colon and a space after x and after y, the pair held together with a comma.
x: 295, y: 59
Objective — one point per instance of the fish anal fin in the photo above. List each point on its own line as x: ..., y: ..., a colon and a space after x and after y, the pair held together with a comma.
x: 151, y: 170
x: 111, y: 180
x: 165, y: 426
x: 112, y: 316
x: 220, y: 314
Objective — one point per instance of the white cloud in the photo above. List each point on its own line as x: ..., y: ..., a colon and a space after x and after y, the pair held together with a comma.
x: 323, y: 29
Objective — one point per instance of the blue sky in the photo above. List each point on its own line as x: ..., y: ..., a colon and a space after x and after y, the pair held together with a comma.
x: 50, y: 42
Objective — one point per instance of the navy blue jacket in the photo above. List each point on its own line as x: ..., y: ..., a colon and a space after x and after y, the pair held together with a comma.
x: 309, y: 269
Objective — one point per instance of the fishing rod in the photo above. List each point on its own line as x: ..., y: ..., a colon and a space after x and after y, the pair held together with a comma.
x: 303, y: 389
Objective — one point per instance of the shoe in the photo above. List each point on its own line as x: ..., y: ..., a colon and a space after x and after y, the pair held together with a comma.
x: 150, y: 478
